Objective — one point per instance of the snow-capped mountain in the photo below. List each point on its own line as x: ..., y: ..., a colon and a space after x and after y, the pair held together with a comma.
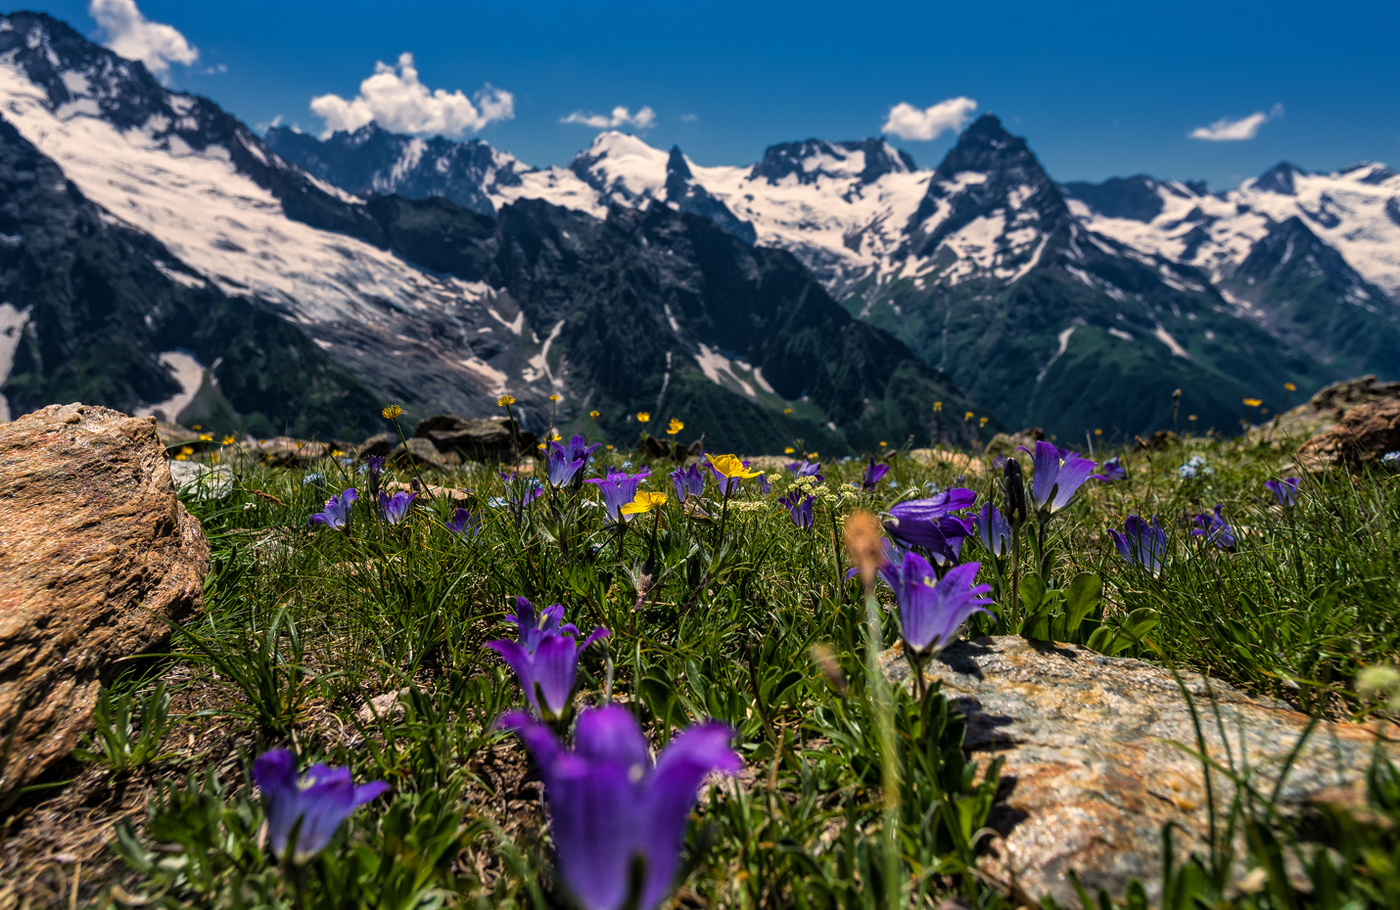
x: 209, y: 233
x: 1131, y: 281
x: 1355, y: 212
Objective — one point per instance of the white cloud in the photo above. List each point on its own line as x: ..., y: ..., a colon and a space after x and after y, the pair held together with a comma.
x: 690, y: 118
x: 395, y: 99
x: 909, y: 122
x: 1227, y: 130
x: 620, y: 116
x: 135, y: 37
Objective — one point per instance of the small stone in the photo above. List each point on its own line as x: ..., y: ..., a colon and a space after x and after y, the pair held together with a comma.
x: 488, y: 439
x: 201, y: 481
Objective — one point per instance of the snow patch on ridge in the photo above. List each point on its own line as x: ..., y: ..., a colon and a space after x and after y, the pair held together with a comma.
x: 186, y: 371
x: 12, y: 322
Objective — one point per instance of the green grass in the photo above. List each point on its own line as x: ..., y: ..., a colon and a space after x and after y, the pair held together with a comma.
x: 303, y: 627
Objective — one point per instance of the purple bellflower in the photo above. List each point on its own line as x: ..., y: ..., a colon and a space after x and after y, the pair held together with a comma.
x: 314, y: 806
x: 580, y: 449
x: 1141, y: 543
x: 374, y: 468
x: 930, y: 613
x: 1058, y: 475
x: 874, y: 473
x: 994, y: 531
x: 337, y: 512
x: 928, y: 523
x: 1285, y: 490
x: 618, y: 488
x: 801, y: 508
x: 806, y: 469
x: 764, y: 486
x: 614, y: 814
x: 464, y: 524
x: 545, y: 659
x: 560, y: 465
x: 395, y: 508
x: 1113, y: 469
x: 688, y: 482
x: 1215, y: 529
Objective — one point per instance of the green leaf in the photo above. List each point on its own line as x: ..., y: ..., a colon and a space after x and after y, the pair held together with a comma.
x: 1081, y: 599
x: 1032, y: 592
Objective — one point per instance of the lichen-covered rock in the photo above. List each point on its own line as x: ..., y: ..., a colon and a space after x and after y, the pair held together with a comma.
x: 1362, y: 437
x: 1004, y: 444
x: 423, y: 453
x: 94, y: 550
x: 1324, y: 410
x: 1099, y: 758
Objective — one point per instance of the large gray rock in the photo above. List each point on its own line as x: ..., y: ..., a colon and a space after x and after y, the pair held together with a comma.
x: 480, y: 438
x: 95, y: 552
x: 1097, y: 761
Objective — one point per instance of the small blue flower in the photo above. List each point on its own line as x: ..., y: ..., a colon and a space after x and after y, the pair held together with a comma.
x: 311, y: 478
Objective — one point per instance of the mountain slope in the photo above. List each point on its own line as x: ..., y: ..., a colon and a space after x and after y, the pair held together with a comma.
x: 423, y: 302
x: 104, y: 309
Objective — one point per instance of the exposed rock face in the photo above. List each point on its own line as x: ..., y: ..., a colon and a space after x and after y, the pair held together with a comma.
x: 1363, y: 435
x: 1093, y: 770
x: 480, y: 439
x: 94, y: 549
x: 1005, y: 444
x: 1326, y: 408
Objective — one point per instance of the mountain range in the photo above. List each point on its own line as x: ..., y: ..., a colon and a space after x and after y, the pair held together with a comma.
x: 160, y: 255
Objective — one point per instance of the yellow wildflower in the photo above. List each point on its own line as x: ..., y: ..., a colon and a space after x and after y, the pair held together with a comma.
x: 230, y: 440
x: 505, y: 400
x: 883, y: 443
x: 730, y: 466
x: 336, y: 453
x: 675, y: 427
x: 967, y: 416
x: 206, y: 437
x: 554, y: 436
x: 197, y: 427
x: 1098, y: 432
x: 554, y: 397
x: 643, y: 417
x: 593, y: 414
x: 1290, y: 387
x: 813, y: 454
x: 392, y: 411
x: 180, y: 457
x: 1253, y: 402
x: 983, y: 422
x: 789, y: 450
x: 610, y: 448
x: 1191, y: 417
x: 787, y: 410
x: 938, y: 406
x: 644, y: 502
x: 186, y: 451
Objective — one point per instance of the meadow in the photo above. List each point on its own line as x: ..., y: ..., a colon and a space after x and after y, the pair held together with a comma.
x: 390, y: 639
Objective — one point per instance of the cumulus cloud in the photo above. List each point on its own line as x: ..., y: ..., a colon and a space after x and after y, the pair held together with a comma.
x: 620, y: 116
x: 135, y: 37
x: 395, y: 99
x: 909, y: 122
x: 1227, y: 130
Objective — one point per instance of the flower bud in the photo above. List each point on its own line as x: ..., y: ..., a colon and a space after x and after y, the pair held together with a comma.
x: 1015, y: 493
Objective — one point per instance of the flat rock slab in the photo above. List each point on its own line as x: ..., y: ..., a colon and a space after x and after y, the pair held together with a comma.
x: 1097, y: 758
x: 94, y: 549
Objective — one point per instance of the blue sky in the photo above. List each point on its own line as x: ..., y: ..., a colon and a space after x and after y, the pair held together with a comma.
x: 1099, y: 89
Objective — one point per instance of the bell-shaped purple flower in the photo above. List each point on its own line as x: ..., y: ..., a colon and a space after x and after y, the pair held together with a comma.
x: 618, y: 488
x: 1113, y: 469
x: 806, y: 469
x: 1285, y: 490
x: 464, y: 524
x: 928, y: 523
x: 800, y: 508
x: 1058, y: 475
x: 395, y: 508
x: 688, y: 482
x: 612, y: 812
x: 1215, y: 529
x: 930, y: 612
x: 314, y: 806
x: 874, y: 473
x: 545, y: 659
x: 559, y: 466
x: 580, y: 450
x: 337, y: 512
x: 1141, y: 543
x: 994, y: 531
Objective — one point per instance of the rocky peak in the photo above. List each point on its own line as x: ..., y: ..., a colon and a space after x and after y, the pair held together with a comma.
x: 1279, y: 179
x: 1136, y: 198
x: 621, y: 167
x: 864, y: 160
